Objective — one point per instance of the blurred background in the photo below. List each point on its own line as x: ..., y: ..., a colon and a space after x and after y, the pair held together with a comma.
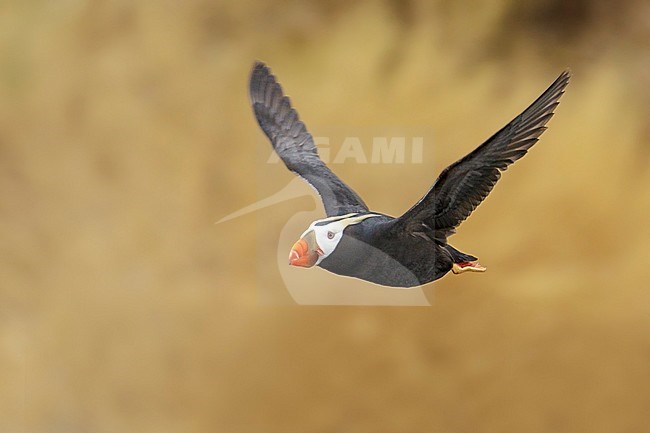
x: 126, y: 132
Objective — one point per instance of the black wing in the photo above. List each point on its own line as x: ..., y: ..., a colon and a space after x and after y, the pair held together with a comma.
x: 295, y: 145
x: 462, y: 186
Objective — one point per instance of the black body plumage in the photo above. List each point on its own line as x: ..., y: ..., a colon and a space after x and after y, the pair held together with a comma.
x: 412, y: 249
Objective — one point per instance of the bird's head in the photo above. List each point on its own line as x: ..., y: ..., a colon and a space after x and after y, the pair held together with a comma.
x: 321, y: 239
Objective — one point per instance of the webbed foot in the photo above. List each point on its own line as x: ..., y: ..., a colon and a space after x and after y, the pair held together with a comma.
x: 475, y: 266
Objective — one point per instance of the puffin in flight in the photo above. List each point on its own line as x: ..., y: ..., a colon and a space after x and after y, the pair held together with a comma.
x: 410, y: 250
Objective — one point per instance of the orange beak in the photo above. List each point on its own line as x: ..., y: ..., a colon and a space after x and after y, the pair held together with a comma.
x: 305, y: 252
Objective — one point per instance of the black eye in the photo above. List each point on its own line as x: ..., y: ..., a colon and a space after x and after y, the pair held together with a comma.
x: 330, y: 235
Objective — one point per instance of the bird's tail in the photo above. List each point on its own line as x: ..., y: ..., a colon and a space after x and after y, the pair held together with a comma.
x: 459, y: 257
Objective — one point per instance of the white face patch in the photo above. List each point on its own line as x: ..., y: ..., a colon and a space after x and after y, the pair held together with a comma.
x: 329, y: 231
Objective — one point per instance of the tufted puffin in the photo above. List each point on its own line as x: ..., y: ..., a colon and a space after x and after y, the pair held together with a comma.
x: 410, y: 250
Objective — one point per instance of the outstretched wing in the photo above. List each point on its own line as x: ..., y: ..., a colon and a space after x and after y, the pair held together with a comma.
x: 462, y: 186
x: 295, y: 145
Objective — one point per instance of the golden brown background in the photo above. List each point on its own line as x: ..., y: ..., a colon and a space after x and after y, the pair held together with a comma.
x: 125, y: 132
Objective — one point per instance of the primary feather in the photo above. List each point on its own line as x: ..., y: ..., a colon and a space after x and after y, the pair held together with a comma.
x: 295, y: 145
x: 462, y: 186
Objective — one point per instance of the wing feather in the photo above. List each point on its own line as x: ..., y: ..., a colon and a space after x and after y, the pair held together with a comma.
x: 295, y: 145
x: 462, y: 186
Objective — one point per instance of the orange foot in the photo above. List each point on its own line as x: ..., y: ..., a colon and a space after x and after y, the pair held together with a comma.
x: 475, y: 266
